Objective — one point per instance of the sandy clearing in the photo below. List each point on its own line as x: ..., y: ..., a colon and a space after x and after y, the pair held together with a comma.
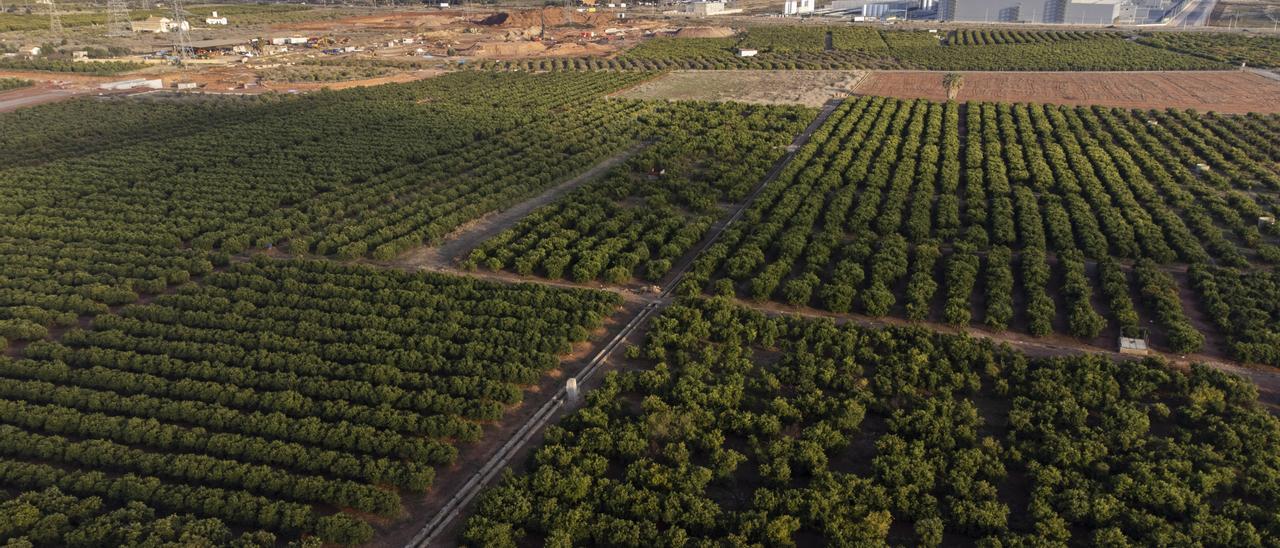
x: 805, y: 87
x: 1219, y: 91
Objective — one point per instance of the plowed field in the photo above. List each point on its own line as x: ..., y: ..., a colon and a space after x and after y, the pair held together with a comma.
x: 1219, y: 91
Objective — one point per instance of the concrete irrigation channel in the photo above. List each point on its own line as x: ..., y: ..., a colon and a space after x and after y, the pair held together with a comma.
x: 433, y: 533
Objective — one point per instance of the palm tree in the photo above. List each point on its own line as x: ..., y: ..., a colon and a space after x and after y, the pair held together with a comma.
x: 954, y: 82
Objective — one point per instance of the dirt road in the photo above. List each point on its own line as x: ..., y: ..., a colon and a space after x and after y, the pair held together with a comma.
x: 466, y: 237
x: 26, y: 97
x: 1266, y: 379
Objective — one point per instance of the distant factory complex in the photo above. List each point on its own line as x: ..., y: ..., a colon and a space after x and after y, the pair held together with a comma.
x: 1083, y: 12
x: 1078, y: 12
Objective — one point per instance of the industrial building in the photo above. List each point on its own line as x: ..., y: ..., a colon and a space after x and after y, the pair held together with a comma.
x: 797, y: 7
x: 1003, y: 11
x: 709, y: 8
x: 132, y: 84
x: 1077, y: 12
x: 1096, y: 12
x: 881, y: 9
x: 152, y: 24
x: 157, y: 25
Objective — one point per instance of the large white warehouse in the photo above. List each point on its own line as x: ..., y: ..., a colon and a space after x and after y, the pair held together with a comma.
x: 1090, y: 12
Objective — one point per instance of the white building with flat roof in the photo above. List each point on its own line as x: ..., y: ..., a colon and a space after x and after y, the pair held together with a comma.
x: 709, y: 8
x: 1092, y: 12
x: 797, y: 7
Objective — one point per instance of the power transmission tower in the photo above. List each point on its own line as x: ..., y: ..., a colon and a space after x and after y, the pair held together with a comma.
x: 117, y: 18
x: 181, y: 38
x: 55, y: 20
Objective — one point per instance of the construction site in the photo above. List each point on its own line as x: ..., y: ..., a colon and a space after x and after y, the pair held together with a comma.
x: 256, y: 48
x: 208, y: 49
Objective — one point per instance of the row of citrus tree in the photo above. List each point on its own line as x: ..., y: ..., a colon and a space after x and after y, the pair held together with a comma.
x: 737, y: 427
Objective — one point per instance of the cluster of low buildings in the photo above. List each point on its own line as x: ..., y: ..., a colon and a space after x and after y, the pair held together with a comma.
x: 158, y: 25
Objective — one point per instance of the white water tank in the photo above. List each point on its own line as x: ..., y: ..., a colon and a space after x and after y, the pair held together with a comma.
x: 571, y: 390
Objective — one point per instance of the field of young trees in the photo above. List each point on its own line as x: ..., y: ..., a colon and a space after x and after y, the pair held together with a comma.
x: 805, y: 47
x: 7, y: 84
x: 274, y: 391
x: 1258, y: 50
x: 97, y: 68
x: 1028, y: 217
x: 986, y: 37
x: 1246, y: 306
x: 321, y: 73
x: 749, y: 430
x: 646, y: 214
x: 889, y: 50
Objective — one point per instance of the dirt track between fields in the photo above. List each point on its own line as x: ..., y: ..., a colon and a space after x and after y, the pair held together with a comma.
x: 26, y: 97
x: 1266, y: 379
x: 462, y: 240
x: 1233, y: 92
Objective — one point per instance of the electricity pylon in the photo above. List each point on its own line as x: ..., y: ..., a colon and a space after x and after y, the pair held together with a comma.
x: 117, y: 18
x: 181, y: 37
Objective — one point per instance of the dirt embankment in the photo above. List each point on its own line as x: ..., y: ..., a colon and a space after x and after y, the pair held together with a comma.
x: 549, y: 16
x: 386, y: 21
x: 1219, y: 91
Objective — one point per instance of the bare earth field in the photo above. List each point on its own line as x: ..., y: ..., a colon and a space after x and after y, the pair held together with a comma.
x: 805, y: 87
x: 1245, y: 13
x: 15, y: 99
x: 1218, y: 91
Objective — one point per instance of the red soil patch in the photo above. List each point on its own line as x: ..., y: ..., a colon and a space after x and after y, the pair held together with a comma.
x: 1218, y: 91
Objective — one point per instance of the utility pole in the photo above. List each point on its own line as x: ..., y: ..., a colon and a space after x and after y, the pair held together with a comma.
x: 117, y: 18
